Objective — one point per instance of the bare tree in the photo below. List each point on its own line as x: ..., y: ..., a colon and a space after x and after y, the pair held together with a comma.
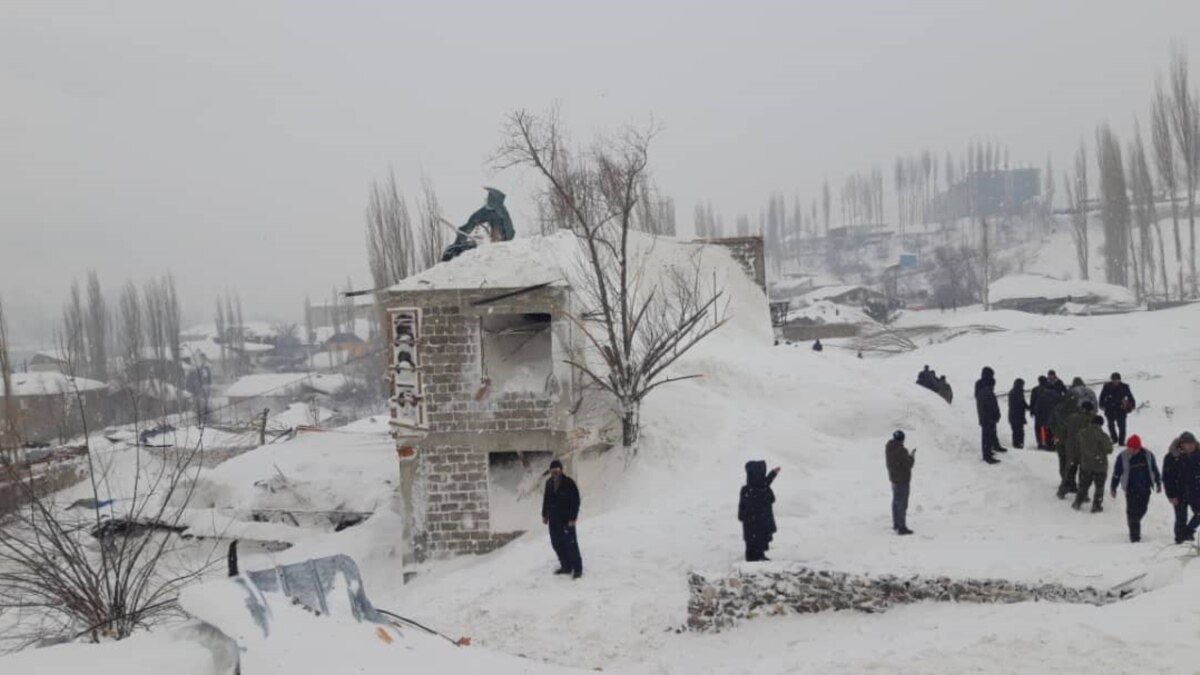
x: 10, y: 432
x: 130, y: 335
x: 1185, y: 122
x: 644, y: 324
x: 985, y: 262
x: 66, y: 587
x: 1114, y: 206
x: 73, y: 327
x: 1077, y: 199
x: 431, y: 240
x: 99, y: 324
x: 1168, y: 174
x: 390, y: 249
x: 1144, y: 216
x: 825, y: 205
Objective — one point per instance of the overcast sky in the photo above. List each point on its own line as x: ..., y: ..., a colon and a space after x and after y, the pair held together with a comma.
x: 233, y: 142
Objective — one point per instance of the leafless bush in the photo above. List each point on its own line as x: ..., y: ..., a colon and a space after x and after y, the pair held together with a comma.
x: 105, y: 565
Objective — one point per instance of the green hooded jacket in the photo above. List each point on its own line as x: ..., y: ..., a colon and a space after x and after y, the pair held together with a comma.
x: 1094, y: 449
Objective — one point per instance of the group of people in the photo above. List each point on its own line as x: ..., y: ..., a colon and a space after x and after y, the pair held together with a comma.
x: 936, y: 383
x: 1066, y: 421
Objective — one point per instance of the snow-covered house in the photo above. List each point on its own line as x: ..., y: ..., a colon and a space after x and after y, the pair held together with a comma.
x: 251, y: 394
x: 48, y: 405
x: 482, y: 394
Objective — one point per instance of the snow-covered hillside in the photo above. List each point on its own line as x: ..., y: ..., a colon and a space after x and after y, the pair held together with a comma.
x: 823, y: 418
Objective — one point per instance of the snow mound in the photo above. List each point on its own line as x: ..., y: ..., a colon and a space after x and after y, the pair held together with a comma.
x: 1026, y: 286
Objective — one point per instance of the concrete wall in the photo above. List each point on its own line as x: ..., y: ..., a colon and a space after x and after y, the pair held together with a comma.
x: 444, y: 477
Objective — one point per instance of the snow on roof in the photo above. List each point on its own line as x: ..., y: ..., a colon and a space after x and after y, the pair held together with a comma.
x: 282, y: 384
x: 49, y: 382
x: 1037, y: 286
x: 826, y: 292
x: 201, y: 330
x: 511, y: 264
x: 360, y: 328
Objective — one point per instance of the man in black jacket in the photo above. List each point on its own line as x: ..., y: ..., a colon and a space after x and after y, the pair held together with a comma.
x: 988, y: 410
x: 1181, y: 482
x: 1016, y: 412
x: 560, y: 509
x: 1047, y: 400
x: 1116, y: 400
x: 1034, y: 395
x: 899, y: 465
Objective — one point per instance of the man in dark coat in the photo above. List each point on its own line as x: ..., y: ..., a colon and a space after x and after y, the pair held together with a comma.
x: 987, y: 408
x: 756, y: 510
x: 1048, y: 399
x: 1034, y: 395
x: 1052, y: 382
x: 1016, y: 412
x: 494, y: 214
x: 1116, y: 400
x: 1181, y: 480
x: 899, y: 465
x: 1137, y: 472
x: 1094, y: 449
x: 560, y: 510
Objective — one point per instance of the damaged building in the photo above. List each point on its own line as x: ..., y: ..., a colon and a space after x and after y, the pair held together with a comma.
x: 482, y: 394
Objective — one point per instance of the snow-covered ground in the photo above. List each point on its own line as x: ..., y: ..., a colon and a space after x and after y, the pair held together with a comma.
x: 822, y: 417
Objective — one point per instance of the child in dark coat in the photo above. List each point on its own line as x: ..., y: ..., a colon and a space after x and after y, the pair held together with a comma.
x: 756, y: 510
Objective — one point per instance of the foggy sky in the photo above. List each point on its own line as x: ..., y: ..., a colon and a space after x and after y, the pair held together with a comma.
x: 234, y: 142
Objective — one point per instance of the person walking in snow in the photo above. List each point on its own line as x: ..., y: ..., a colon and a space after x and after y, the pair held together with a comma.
x: 1034, y: 396
x: 1094, y: 449
x: 756, y: 510
x: 1047, y: 401
x: 1071, y: 419
x: 1181, y: 480
x: 899, y: 466
x: 1136, y: 471
x: 1082, y: 392
x: 1116, y: 400
x: 1017, y: 408
x: 1054, y: 383
x: 987, y: 408
x: 560, y: 510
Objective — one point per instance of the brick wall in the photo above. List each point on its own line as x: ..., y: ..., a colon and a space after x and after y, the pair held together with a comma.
x: 466, y: 422
x: 749, y: 253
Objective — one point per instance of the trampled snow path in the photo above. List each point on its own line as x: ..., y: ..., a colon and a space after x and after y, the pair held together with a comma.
x: 823, y: 418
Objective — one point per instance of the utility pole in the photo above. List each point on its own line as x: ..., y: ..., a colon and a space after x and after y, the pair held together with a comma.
x: 262, y: 427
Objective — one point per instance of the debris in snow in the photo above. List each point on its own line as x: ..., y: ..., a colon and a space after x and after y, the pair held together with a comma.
x: 718, y: 602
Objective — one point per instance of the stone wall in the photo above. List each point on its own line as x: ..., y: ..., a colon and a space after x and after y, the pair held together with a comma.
x: 468, y: 417
x: 717, y: 602
x: 749, y: 253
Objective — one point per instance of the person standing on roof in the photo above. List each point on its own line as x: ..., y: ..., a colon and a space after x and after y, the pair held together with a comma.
x: 560, y: 510
x: 1116, y: 400
x: 900, y: 463
x: 1136, y: 471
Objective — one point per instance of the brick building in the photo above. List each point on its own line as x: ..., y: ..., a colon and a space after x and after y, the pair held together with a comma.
x: 482, y: 396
